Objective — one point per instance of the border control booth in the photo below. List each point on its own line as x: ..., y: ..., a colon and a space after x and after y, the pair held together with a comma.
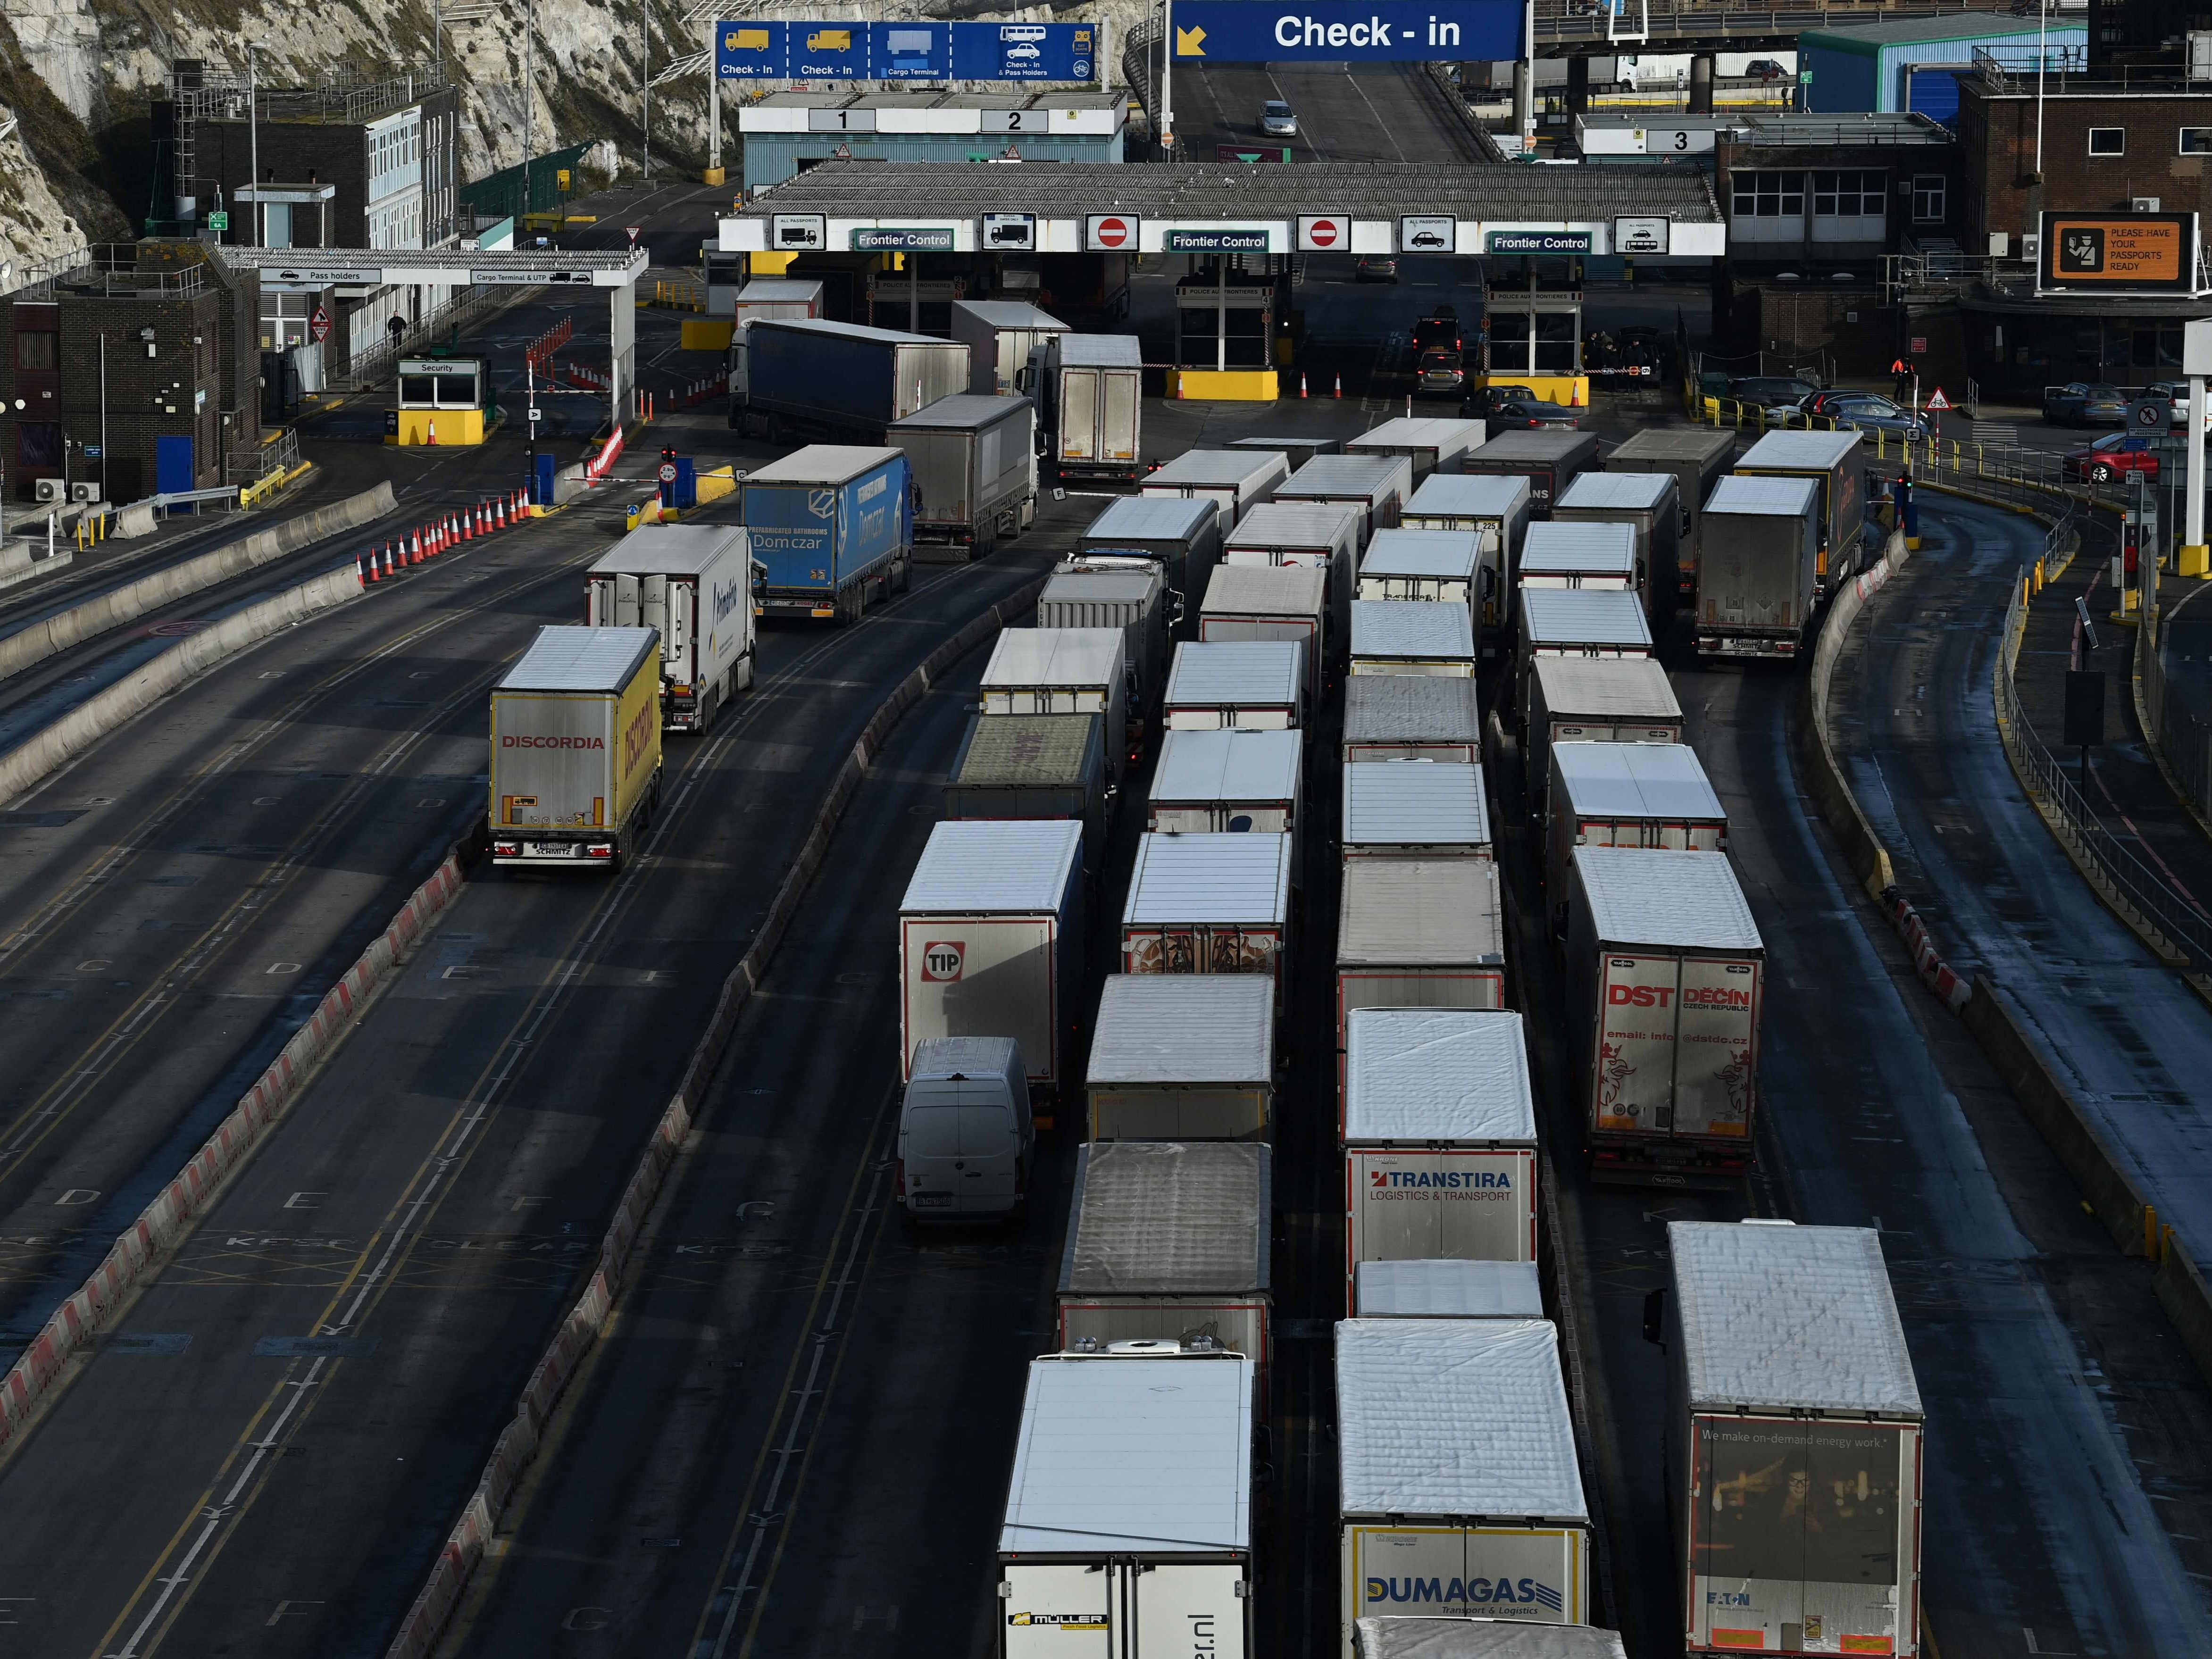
x: 440, y: 400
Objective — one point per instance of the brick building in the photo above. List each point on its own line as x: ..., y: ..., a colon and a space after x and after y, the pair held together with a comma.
x: 175, y: 333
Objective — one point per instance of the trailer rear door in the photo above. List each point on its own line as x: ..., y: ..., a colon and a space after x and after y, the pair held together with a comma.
x: 1079, y: 414
x: 1058, y: 1610
x: 1117, y: 435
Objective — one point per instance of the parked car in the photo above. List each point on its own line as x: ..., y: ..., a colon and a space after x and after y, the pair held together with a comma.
x: 1765, y: 69
x: 2085, y: 403
x: 1771, y: 391
x: 1375, y: 268
x: 1517, y: 405
x: 1866, y: 411
x: 2109, y: 458
x: 1276, y: 120
x: 2176, y: 393
x: 1440, y: 372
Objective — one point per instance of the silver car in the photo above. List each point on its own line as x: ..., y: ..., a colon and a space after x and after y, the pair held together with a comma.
x: 1276, y: 120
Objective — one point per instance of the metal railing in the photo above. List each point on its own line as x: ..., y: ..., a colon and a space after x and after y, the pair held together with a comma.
x: 1560, y: 22
x: 2181, y: 737
x: 2130, y: 886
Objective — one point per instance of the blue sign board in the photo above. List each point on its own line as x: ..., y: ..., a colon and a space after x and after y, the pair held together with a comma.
x: 1391, y: 31
x: 907, y: 52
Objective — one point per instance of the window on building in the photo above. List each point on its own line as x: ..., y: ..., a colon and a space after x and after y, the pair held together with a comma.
x: 37, y: 443
x: 1853, y: 195
x: 2108, y: 141
x: 1927, y: 198
x: 42, y: 349
x: 2196, y: 141
x: 1769, y: 195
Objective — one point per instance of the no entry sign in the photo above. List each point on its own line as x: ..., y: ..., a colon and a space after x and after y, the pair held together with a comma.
x: 1112, y: 231
x: 1323, y: 232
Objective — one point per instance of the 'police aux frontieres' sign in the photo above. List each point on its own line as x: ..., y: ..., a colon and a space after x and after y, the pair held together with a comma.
x: 1395, y: 31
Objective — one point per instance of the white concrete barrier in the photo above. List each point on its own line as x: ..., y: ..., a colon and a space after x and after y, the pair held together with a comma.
x: 80, y: 622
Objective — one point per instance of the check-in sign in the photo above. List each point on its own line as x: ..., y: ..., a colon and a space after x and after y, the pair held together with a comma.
x: 1391, y: 32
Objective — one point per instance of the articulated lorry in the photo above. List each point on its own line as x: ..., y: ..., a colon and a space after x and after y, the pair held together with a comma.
x: 575, y: 749
x: 694, y: 584
x: 832, y: 527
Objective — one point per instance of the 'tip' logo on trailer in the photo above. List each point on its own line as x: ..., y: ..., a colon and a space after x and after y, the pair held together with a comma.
x: 1323, y: 232
x: 942, y: 961
x: 1110, y: 232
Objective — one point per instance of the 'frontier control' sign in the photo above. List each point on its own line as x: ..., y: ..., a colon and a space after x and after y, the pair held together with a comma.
x: 1392, y: 31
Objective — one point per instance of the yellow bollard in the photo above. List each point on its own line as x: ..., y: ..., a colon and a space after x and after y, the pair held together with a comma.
x: 2150, y: 1232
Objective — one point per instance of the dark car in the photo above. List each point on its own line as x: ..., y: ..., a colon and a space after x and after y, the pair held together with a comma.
x: 1438, y: 332
x: 1867, y: 411
x: 1517, y: 406
x: 2110, y: 458
x: 1771, y: 390
x: 2085, y: 403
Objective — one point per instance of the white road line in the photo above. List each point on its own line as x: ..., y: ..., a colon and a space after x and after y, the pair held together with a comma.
x: 1376, y: 112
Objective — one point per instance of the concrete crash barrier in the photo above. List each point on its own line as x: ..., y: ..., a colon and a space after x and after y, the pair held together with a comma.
x: 2031, y: 1071
x: 80, y: 622
x: 102, y: 713
x: 1823, y: 774
x: 518, y: 1444
x: 163, y: 1225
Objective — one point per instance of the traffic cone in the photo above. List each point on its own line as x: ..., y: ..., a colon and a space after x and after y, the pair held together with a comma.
x: 1339, y: 384
x: 468, y: 525
x: 364, y: 566
x: 1302, y: 383
x: 432, y: 440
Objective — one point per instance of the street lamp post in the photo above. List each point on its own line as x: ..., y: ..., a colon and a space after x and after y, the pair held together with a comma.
x: 253, y: 132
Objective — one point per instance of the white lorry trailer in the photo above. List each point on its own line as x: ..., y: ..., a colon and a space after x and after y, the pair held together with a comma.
x: 694, y: 584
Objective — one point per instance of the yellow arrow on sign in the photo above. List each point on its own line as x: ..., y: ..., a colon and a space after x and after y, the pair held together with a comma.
x: 1190, y: 43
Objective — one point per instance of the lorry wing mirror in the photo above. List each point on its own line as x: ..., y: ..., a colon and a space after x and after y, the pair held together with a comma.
x: 1655, y: 1316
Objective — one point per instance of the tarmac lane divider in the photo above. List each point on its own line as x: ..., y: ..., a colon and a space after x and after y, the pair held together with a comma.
x: 580, y: 1328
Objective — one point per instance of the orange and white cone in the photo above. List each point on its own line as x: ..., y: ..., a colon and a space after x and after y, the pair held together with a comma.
x: 1302, y: 383
x: 1340, y: 386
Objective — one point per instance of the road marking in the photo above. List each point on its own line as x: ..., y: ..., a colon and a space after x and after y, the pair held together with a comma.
x: 299, y: 1199
x: 282, y: 968
x: 76, y: 1197
x: 284, y: 1611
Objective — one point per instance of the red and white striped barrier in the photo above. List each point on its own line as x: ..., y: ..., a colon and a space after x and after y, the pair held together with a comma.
x: 147, y: 1242
x: 1936, y: 974
x: 597, y: 467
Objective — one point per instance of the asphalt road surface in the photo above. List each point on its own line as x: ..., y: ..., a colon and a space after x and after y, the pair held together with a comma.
x: 264, y: 1455
x: 1378, y: 113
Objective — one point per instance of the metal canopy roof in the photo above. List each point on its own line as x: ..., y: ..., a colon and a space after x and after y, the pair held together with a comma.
x: 462, y: 267
x: 869, y: 192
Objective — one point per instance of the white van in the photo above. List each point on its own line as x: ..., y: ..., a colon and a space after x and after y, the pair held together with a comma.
x: 966, y: 1140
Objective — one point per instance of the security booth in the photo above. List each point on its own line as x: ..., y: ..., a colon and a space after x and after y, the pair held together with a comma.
x: 441, y: 401
x: 1228, y: 310
x: 1532, y: 312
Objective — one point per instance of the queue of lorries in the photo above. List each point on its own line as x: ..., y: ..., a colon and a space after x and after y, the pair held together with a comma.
x: 1211, y: 620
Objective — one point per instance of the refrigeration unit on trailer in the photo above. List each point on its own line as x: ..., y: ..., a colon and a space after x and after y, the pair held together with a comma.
x: 1443, y: 565
x: 1182, y: 1057
x: 1411, y: 717
x: 575, y: 748
x: 1793, y: 1468
x: 1063, y: 670
x: 1234, y: 480
x: 974, y: 469
x: 990, y: 935
x: 1549, y: 460
x: 1698, y: 457
x: 1431, y: 443
x: 1090, y: 392
x: 1439, y: 1122
x: 1183, y: 536
x: 999, y: 334
x: 1758, y: 578
x: 1646, y: 503
x: 1258, y: 685
x: 1412, y: 637
x: 1398, y: 1636
x: 1596, y: 700
x: 831, y: 527
x: 1210, y: 904
x: 1418, y: 809
x: 1270, y: 602
x: 1227, y: 780
x: 1447, y: 1289
x: 841, y: 381
x: 1034, y: 766
x: 1128, y: 1522
x: 1627, y: 794
x: 1496, y: 509
x: 1133, y: 597
x: 1570, y: 621
x: 1836, y: 461
x: 693, y: 583
x: 967, y: 1142
x: 1664, y: 979
x: 1417, y: 933
x: 1458, y: 1492
x: 1374, y: 486
x: 1324, y: 536
x: 1170, y: 1239
x: 1561, y: 553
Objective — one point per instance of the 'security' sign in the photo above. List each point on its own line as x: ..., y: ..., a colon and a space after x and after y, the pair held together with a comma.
x: 1395, y: 31
x: 913, y: 50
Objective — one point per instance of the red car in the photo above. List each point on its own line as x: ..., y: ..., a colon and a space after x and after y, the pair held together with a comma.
x: 2109, y: 458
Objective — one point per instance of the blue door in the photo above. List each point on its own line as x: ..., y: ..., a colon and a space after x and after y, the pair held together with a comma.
x: 174, y: 473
